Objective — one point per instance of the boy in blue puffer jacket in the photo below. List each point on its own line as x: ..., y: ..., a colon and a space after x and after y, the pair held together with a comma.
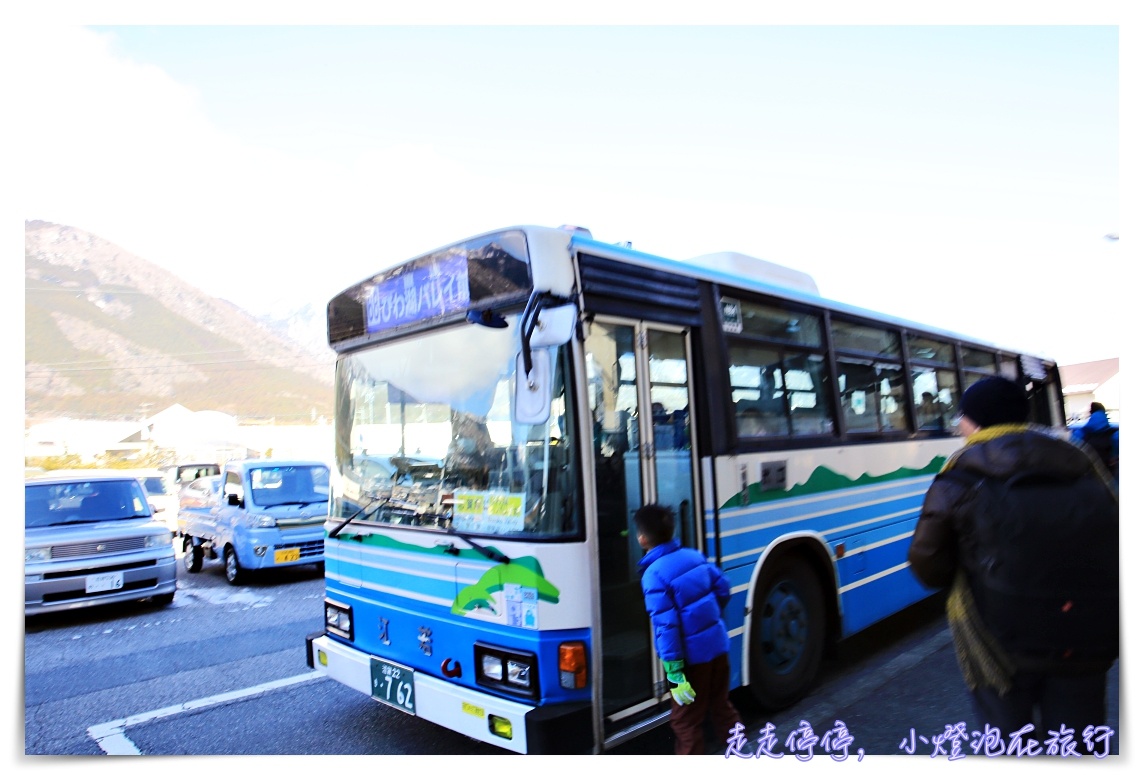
x: 685, y: 596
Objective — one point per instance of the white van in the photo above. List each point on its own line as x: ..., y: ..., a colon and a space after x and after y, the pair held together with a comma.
x: 162, y: 495
x: 184, y: 474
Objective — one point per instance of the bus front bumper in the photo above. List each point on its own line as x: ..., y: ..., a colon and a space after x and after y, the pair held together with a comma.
x: 534, y: 729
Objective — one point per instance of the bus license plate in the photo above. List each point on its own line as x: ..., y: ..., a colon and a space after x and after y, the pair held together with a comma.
x: 98, y: 583
x: 392, y: 684
x: 288, y: 556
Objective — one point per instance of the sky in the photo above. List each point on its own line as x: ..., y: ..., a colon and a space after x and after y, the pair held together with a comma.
x: 964, y: 176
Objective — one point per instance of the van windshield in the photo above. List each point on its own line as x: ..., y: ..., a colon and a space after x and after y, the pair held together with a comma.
x: 68, y: 503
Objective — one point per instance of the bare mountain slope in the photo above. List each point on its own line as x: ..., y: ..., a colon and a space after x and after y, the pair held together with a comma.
x: 108, y: 334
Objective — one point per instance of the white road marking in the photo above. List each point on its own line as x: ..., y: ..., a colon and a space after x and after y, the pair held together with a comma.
x: 111, y: 738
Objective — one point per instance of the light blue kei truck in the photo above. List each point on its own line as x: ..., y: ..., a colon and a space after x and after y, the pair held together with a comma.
x: 267, y: 514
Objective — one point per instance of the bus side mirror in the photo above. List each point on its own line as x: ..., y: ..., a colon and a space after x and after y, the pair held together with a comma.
x: 532, y: 400
x: 539, y: 327
x: 554, y: 326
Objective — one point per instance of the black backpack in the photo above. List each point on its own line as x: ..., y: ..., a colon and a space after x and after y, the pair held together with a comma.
x: 1101, y: 443
x: 1042, y: 559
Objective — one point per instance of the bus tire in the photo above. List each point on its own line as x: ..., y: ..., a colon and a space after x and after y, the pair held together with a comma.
x: 231, y: 567
x: 192, y: 555
x: 788, y: 632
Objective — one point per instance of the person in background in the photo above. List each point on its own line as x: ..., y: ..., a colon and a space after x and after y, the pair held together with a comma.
x: 930, y: 412
x: 1104, y: 437
x: 685, y: 596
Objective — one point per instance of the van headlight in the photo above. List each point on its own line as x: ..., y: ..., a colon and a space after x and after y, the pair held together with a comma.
x: 37, y: 554
x: 157, y: 540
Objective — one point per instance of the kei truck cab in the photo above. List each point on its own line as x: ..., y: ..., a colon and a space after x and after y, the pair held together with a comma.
x: 267, y: 514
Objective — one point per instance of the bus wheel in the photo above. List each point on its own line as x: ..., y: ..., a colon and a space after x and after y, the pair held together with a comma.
x: 234, y: 572
x: 788, y: 629
x: 192, y: 555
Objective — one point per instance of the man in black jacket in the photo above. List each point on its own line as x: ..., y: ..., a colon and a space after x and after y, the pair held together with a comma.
x: 1022, y: 526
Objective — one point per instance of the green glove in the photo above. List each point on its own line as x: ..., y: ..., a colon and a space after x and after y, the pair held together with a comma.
x: 681, y: 690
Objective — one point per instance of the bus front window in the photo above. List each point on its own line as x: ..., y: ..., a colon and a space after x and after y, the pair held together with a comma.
x: 425, y: 438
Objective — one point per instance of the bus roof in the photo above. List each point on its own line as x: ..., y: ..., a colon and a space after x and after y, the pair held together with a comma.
x: 764, y: 276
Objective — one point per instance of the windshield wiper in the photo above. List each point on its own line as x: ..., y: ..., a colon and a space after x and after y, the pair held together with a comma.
x: 377, y: 502
x: 297, y: 503
x: 488, y: 552
x: 370, y: 505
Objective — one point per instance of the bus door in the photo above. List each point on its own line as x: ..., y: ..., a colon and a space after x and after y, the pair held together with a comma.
x: 640, y: 401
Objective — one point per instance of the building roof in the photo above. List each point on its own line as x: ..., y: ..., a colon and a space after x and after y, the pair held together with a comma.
x: 1085, y: 377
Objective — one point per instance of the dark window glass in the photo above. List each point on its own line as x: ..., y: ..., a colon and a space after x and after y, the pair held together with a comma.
x: 873, y: 395
x: 776, y: 324
x: 978, y: 359
x: 928, y: 349
x: 778, y: 393
x: 849, y: 337
x: 935, y: 398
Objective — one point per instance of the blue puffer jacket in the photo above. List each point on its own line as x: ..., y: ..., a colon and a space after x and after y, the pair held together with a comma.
x: 685, y: 596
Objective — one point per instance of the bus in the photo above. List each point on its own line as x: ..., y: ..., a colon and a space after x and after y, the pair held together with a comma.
x: 504, y: 404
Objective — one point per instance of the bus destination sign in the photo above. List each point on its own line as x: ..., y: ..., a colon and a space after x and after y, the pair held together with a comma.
x: 420, y: 292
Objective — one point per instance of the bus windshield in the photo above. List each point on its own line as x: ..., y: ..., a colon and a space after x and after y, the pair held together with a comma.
x: 426, y: 439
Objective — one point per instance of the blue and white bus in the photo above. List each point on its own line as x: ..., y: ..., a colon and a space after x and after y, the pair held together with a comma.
x: 503, y: 406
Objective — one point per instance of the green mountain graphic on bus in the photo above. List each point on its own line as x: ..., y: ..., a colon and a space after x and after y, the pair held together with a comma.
x: 525, y: 572
x: 823, y: 480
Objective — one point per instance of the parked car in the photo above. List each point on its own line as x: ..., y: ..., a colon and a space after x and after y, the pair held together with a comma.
x: 184, y: 474
x: 265, y: 514
x: 91, y: 538
x: 162, y: 495
x: 201, y: 492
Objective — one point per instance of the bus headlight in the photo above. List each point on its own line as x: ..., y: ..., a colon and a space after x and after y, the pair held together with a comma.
x: 519, y: 673
x: 506, y: 670
x: 340, y: 619
x: 492, y: 667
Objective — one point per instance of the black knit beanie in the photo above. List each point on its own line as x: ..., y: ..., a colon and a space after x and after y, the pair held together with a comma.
x: 995, y: 401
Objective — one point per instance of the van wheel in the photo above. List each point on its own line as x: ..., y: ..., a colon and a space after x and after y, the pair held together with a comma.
x: 234, y: 573
x: 788, y: 630
x: 321, y: 567
x: 192, y: 555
